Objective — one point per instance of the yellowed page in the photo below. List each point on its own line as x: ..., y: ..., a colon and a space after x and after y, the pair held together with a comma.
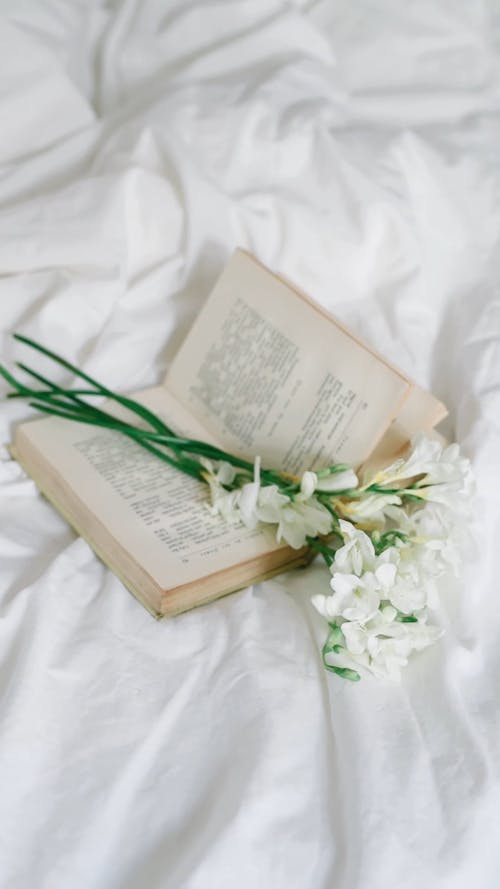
x: 158, y: 514
x: 420, y: 412
x: 269, y: 373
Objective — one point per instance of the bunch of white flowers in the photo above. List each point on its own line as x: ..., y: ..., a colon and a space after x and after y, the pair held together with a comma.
x: 393, y: 536
x: 298, y: 516
x: 383, y: 584
x: 379, y: 606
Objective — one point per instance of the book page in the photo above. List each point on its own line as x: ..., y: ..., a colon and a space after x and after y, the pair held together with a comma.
x: 420, y: 412
x: 270, y: 373
x: 158, y: 514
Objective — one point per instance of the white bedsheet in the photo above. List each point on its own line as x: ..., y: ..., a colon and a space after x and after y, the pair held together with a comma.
x: 355, y: 148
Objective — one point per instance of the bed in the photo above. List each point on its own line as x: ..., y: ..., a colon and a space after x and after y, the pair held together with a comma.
x: 353, y: 148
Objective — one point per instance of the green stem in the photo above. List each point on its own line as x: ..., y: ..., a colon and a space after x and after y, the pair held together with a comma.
x: 379, y: 489
x: 343, y: 672
x: 68, y: 404
x: 54, y: 392
x: 325, y: 499
x: 55, y: 402
x: 132, y: 405
x: 190, y: 467
x: 320, y: 547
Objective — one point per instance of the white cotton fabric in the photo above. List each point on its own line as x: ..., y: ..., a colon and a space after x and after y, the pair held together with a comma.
x: 353, y: 147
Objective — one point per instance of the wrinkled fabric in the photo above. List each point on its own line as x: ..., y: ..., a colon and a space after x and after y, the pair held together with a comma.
x: 354, y: 148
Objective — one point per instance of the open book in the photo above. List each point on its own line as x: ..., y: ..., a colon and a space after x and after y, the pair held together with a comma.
x: 265, y: 371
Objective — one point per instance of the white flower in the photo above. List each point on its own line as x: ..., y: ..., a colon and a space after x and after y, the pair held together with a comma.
x: 357, y: 554
x: 388, y: 656
x: 359, y: 598
x: 449, y: 467
x: 422, y: 459
x: 412, y: 584
x: 354, y: 598
x: 449, y: 481
x: 249, y: 497
x: 390, y: 649
x: 221, y: 473
x: 296, y: 519
x: 447, y: 533
x: 360, y: 579
x: 440, y: 536
x: 299, y: 520
x: 330, y: 482
x: 224, y: 503
x: 271, y: 504
x: 424, y: 456
x: 344, y: 480
x: 384, y: 644
x: 447, y: 476
x: 370, y: 508
x: 308, y: 484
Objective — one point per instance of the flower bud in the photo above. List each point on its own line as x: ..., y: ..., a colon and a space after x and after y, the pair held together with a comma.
x: 338, y: 481
x: 308, y: 484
